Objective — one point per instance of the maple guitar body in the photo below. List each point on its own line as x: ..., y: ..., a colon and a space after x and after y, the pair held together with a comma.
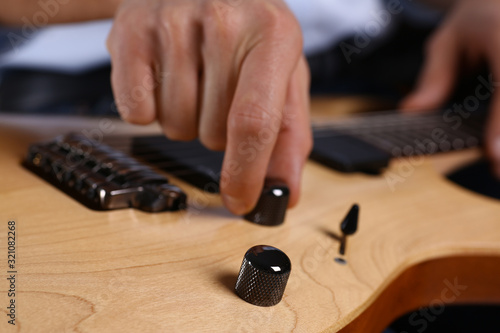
x: 421, y: 241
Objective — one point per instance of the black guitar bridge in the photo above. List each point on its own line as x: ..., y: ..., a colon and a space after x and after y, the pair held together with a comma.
x: 100, y: 177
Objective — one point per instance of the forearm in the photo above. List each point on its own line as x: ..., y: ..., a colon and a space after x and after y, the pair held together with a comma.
x: 16, y: 12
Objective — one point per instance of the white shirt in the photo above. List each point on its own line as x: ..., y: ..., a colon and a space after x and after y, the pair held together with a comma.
x: 325, y: 22
x: 79, y: 47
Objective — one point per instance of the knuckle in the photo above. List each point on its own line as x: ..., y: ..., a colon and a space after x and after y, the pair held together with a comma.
x: 167, y: 26
x: 173, y: 18
x: 131, y: 18
x: 212, y: 10
x: 220, y: 33
x: 285, y: 31
x: 274, y: 15
x: 279, y: 21
x: 221, y: 20
x: 174, y: 30
x: 115, y: 37
x: 250, y: 117
x: 126, y: 35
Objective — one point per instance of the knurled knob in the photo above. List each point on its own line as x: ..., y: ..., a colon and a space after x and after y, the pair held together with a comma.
x: 272, y: 205
x: 263, y: 275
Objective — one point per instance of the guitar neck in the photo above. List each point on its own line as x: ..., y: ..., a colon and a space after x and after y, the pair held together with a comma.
x: 367, y: 142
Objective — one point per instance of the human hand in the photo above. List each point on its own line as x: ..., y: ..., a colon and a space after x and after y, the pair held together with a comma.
x: 468, y: 36
x: 230, y: 72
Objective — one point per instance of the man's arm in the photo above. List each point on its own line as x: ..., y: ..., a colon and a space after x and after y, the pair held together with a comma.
x: 230, y: 72
x: 15, y: 12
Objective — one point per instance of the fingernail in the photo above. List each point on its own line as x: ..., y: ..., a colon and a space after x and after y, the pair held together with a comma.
x: 236, y: 206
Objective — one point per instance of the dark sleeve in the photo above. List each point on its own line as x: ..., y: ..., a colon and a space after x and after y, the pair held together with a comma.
x: 8, y: 37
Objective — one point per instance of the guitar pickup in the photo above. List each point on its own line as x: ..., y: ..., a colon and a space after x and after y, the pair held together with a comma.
x: 100, y: 177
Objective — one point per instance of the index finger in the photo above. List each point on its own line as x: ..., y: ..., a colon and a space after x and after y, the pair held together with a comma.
x: 254, y: 122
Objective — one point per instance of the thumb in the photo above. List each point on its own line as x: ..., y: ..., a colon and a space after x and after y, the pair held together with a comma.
x: 437, y: 78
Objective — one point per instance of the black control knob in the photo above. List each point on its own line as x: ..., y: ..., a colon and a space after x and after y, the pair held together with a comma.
x: 263, y: 275
x: 272, y: 205
x: 349, y: 225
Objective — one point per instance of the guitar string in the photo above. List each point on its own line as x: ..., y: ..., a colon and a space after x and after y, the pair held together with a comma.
x: 385, y: 129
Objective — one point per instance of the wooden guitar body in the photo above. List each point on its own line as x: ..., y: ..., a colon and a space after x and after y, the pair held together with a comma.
x: 421, y: 240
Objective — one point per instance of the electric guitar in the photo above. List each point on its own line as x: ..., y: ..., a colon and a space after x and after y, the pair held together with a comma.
x: 422, y: 240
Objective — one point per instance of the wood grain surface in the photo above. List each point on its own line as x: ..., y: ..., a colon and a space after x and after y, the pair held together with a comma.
x: 130, y: 271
